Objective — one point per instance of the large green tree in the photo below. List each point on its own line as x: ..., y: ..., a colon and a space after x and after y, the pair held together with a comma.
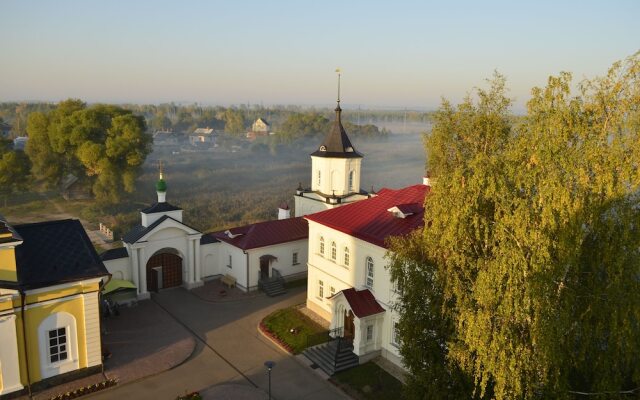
x: 531, y: 242
x: 103, y: 143
x: 14, y: 168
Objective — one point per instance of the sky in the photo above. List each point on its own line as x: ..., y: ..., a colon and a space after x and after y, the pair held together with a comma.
x: 393, y: 54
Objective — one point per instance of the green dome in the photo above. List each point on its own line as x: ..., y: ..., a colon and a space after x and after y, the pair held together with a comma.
x: 161, y: 186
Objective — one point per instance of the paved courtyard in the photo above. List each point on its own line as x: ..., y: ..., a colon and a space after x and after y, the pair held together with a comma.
x: 226, y: 357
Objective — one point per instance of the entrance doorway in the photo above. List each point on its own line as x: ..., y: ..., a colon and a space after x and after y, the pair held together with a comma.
x: 349, y: 327
x: 164, y: 270
x: 265, y: 264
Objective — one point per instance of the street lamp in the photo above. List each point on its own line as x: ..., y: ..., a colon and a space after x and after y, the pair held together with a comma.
x: 269, y: 365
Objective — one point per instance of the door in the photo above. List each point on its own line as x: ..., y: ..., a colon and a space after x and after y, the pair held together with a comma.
x: 171, y: 270
x: 349, y: 327
x: 264, y: 268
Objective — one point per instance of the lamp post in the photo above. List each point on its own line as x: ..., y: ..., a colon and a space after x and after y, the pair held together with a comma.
x: 269, y: 365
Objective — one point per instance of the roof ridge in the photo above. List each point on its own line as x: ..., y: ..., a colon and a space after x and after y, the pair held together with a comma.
x: 51, y: 222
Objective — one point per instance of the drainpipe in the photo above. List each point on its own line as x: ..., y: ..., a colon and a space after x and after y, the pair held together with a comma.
x: 248, y: 279
x: 101, y: 286
x: 23, y: 299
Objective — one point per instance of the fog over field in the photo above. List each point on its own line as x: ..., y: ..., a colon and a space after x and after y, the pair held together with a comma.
x: 222, y: 188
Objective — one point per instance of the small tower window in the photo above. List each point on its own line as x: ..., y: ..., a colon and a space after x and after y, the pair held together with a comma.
x: 351, y: 179
x: 319, y: 178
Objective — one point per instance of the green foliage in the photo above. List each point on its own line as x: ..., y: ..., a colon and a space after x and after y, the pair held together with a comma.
x: 532, y: 240
x: 282, y: 322
x: 103, y: 143
x: 14, y: 171
x: 233, y: 122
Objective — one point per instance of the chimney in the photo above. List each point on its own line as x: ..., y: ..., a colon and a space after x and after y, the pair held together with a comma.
x: 283, y: 211
x: 426, y: 180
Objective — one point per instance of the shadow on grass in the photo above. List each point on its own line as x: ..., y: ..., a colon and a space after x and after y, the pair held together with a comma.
x: 368, y: 382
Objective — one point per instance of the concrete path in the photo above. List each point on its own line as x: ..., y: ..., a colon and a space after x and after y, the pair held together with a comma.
x: 228, y: 361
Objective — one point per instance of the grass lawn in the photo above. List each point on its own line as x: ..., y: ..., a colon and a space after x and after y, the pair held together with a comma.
x: 368, y: 381
x: 281, y: 322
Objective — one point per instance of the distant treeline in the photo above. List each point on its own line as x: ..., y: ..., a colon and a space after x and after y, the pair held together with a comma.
x: 292, y: 121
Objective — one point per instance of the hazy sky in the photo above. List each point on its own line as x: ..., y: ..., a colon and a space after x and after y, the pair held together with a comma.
x: 393, y: 53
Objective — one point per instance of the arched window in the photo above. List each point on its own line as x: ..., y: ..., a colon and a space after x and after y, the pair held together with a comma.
x: 369, y: 269
x: 57, y: 336
x: 321, y: 245
x: 351, y: 179
x: 346, y: 256
x: 334, y: 251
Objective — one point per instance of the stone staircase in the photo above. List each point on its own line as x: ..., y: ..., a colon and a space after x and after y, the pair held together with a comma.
x: 334, y: 356
x: 273, y: 287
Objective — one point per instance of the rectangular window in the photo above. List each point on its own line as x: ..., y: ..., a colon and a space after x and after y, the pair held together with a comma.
x: 295, y: 259
x: 58, y: 345
x: 395, y: 334
x: 230, y: 265
x: 369, y: 333
x: 320, y: 289
x: 333, y: 291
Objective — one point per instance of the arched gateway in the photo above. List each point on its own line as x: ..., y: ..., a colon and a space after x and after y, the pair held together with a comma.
x: 164, y: 270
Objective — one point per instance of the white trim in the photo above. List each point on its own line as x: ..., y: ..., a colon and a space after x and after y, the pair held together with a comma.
x: 56, y: 321
x: 63, y: 285
x: 53, y: 301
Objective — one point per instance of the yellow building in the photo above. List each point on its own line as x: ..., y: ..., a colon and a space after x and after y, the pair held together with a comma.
x: 50, y: 277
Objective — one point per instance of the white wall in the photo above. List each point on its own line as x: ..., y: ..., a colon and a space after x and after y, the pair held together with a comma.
x: 238, y: 266
x: 336, y: 274
x: 284, y: 253
x: 9, y: 366
x: 209, y: 259
x: 119, y: 268
x: 148, y: 219
x: 334, y: 173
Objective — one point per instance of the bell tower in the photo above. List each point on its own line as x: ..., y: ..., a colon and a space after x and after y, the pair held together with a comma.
x: 335, y: 171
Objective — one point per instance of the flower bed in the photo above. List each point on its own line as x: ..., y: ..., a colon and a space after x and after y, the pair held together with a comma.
x: 86, y: 390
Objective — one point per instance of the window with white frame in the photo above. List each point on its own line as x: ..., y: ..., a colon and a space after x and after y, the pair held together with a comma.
x: 230, y: 264
x: 334, y: 251
x: 58, y: 345
x: 369, y: 333
x: 294, y: 258
x: 332, y: 291
x: 346, y: 256
x: 320, y: 289
x: 321, y: 245
x: 369, y: 270
x: 351, y: 184
x: 395, y: 334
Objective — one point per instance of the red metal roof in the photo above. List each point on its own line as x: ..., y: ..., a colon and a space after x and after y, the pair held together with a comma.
x: 266, y: 233
x: 369, y: 219
x: 362, y: 302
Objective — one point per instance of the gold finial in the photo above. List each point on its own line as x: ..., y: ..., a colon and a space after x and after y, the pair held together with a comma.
x: 338, y: 71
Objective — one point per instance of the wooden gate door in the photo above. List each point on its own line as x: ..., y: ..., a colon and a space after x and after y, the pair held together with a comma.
x: 171, y: 271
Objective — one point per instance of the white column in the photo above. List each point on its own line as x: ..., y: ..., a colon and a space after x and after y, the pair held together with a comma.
x: 9, y: 355
x: 198, y: 256
x: 190, y: 263
x: 142, y: 267
x: 134, y: 268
